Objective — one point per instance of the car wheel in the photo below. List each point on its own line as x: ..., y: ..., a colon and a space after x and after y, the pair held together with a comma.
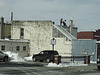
x: 34, y: 59
x: 5, y: 59
x: 47, y: 60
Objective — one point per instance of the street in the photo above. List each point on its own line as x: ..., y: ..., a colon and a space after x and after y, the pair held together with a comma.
x: 40, y: 68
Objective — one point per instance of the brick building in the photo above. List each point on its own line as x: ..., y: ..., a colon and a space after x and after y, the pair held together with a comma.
x: 89, y: 35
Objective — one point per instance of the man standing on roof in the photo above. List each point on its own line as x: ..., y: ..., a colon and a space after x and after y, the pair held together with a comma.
x: 61, y: 21
x: 64, y: 23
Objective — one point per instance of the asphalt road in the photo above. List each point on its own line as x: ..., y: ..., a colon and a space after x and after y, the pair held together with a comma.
x: 38, y: 68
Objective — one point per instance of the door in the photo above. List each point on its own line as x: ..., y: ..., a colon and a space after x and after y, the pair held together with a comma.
x: 98, y: 50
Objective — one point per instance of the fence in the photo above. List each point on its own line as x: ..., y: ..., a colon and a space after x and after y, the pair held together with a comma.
x: 86, y: 59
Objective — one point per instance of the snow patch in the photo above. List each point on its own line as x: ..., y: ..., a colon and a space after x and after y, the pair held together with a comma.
x: 14, y: 57
x: 28, y: 58
x: 93, y: 62
x: 66, y: 64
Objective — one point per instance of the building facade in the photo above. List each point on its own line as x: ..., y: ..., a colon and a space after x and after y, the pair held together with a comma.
x: 18, y: 46
x: 31, y: 37
x: 85, y: 47
x: 40, y: 34
x: 89, y: 35
x: 5, y: 29
x: 93, y: 35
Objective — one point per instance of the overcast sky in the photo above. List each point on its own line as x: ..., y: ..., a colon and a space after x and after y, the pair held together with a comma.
x: 84, y: 13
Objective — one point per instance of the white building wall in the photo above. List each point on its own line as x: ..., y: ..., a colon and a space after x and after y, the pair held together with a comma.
x: 38, y: 32
x: 63, y: 47
x: 21, y: 52
x: 10, y: 45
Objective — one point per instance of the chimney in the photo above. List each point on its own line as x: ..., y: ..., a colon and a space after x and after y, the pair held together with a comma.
x: 11, y: 28
x: 2, y: 27
x: 71, y: 26
x: 11, y: 17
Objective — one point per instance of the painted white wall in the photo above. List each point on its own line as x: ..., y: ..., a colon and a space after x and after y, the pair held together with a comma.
x: 38, y: 32
x: 63, y: 47
x: 11, y: 46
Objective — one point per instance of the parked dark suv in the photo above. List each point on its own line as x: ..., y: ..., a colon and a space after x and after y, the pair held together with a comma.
x: 46, y: 55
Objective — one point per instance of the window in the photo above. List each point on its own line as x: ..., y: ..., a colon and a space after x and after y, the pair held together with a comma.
x: 17, y: 48
x: 2, y: 47
x: 22, y: 32
x: 24, y: 48
x: 41, y: 52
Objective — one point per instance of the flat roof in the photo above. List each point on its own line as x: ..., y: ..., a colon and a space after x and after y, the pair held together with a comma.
x: 32, y: 21
x: 14, y: 40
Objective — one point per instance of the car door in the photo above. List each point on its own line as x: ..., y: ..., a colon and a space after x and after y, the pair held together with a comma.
x: 41, y: 55
x: 45, y: 55
x: 1, y: 55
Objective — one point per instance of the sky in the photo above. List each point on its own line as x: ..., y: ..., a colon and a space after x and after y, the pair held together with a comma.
x: 84, y: 13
